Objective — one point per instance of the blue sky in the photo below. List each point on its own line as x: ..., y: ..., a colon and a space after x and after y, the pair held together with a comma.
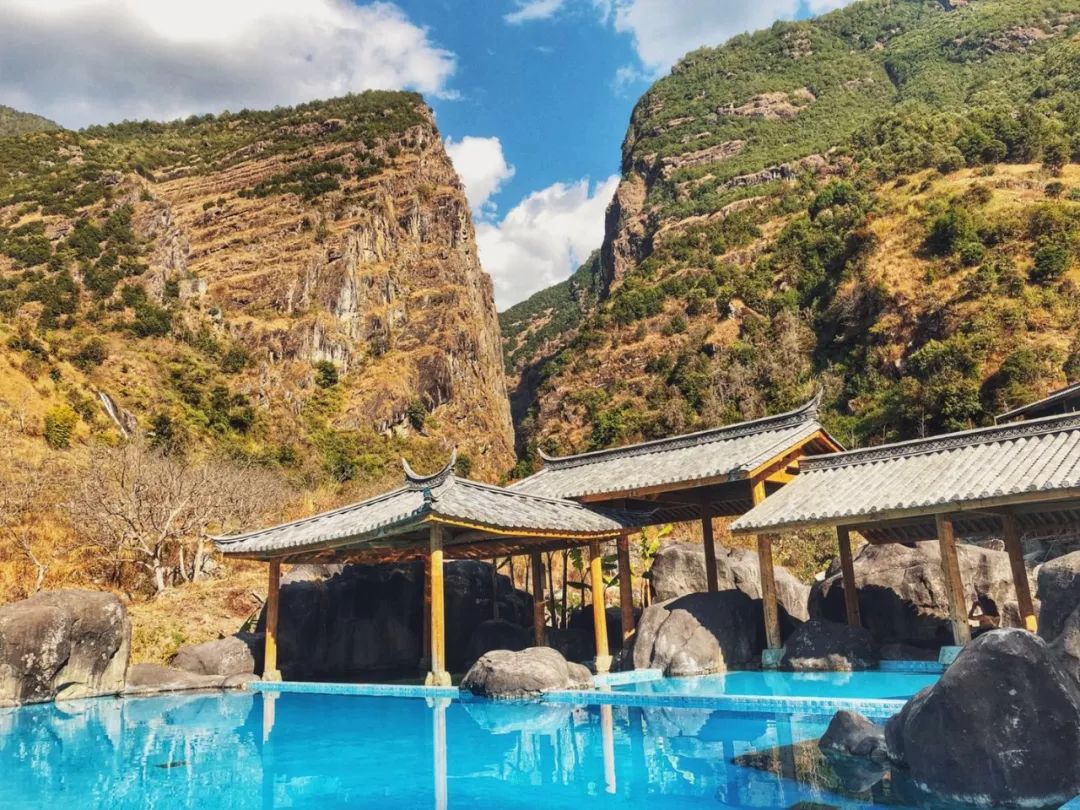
x: 533, y: 96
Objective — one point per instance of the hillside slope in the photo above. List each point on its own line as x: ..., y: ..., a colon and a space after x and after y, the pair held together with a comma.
x: 880, y: 200
x: 297, y: 287
x: 14, y: 123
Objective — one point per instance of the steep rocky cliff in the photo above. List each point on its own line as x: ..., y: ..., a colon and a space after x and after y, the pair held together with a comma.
x: 299, y: 286
x: 880, y: 200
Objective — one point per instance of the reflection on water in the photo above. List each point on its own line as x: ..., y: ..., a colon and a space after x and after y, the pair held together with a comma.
x: 241, y: 750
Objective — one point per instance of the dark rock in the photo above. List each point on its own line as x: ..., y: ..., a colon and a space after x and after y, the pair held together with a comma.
x: 523, y: 674
x: 818, y: 645
x: 700, y: 633
x: 582, y: 621
x: 908, y: 652
x: 1059, y: 593
x: 902, y: 595
x: 344, y: 622
x: 679, y: 569
x: 1001, y: 727
x: 498, y: 634
x: 240, y: 654
x: 856, y: 751
x: 59, y: 645
x: 573, y: 645
x: 153, y: 679
x: 1066, y: 646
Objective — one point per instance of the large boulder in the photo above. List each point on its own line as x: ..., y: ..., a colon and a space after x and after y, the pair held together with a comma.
x: 1059, y: 593
x: 679, y: 569
x: 59, y: 645
x: 855, y: 748
x: 902, y: 596
x: 1067, y: 645
x: 240, y: 654
x: 581, y: 620
x: 527, y: 673
x: 498, y: 634
x: 573, y: 645
x: 822, y: 646
x: 1001, y: 726
x: 700, y: 633
x: 357, y: 621
x: 154, y: 679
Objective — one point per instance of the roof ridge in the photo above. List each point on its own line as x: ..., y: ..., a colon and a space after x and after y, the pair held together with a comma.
x: 1053, y: 396
x: 944, y: 441
x: 509, y: 490
x: 804, y: 413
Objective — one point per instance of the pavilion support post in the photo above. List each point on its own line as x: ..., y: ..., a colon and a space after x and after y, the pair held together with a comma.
x: 596, y: 571
x: 710, y: 550
x: 954, y: 583
x: 768, y: 584
x: 1015, y: 547
x: 437, y: 676
x: 847, y: 568
x: 539, y: 622
x: 626, y: 588
x: 425, y: 641
x: 270, y: 650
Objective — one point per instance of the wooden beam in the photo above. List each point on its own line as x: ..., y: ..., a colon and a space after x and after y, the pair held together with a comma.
x: 847, y: 568
x: 769, y: 602
x: 710, y: 551
x: 270, y: 646
x: 626, y: 588
x: 596, y: 571
x: 1014, y: 545
x: 539, y: 623
x: 438, y: 676
x: 954, y: 583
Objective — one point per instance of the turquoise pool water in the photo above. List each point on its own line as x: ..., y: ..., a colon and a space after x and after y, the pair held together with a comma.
x: 877, y: 685
x: 252, y: 750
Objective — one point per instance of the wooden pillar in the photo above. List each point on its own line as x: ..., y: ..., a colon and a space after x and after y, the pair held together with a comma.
x: 425, y: 641
x: 539, y: 623
x: 710, y: 550
x: 596, y: 570
x: 273, y: 593
x: 768, y: 578
x: 954, y: 583
x: 847, y: 568
x: 626, y: 587
x: 437, y: 676
x: 1015, y: 547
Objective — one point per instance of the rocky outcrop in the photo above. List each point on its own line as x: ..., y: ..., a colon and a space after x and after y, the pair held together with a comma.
x: 902, y: 593
x: 1059, y: 593
x: 581, y: 621
x: 235, y: 655
x: 823, y: 646
x: 154, y: 679
x: 1001, y: 727
x: 679, y: 569
x: 527, y: 673
x: 700, y: 633
x: 342, y: 622
x: 856, y: 750
x: 1067, y: 645
x: 497, y: 634
x: 59, y: 645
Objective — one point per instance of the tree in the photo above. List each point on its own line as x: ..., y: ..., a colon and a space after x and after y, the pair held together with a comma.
x: 153, y: 513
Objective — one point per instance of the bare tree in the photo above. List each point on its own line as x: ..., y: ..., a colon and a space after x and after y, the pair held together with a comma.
x: 144, y: 509
x: 26, y: 491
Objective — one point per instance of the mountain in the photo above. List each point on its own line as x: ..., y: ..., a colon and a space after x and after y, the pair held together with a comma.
x: 883, y: 201
x: 13, y: 122
x: 296, y: 287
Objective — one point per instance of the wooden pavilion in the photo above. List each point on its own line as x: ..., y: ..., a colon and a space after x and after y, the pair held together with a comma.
x: 1002, y: 482
x: 716, y: 473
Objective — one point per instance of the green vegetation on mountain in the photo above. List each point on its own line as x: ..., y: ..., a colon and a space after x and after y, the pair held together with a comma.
x: 13, y: 122
x: 883, y: 200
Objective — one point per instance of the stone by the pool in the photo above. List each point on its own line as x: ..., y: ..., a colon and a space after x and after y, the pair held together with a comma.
x: 1001, y: 726
x: 700, y: 633
x: 855, y: 748
x: 822, y: 646
x: 240, y: 654
x: 58, y: 645
x: 524, y: 673
x: 1059, y: 593
x: 152, y: 679
x: 498, y: 634
x: 679, y: 569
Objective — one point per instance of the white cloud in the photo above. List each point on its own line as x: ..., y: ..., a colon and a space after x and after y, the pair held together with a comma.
x: 92, y: 61
x: 483, y: 169
x: 529, y: 10
x: 544, y: 238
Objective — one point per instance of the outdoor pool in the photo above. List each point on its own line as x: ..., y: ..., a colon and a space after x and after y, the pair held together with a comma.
x: 873, y: 685
x: 243, y: 749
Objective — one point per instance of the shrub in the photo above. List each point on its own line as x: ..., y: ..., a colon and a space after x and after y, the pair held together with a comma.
x: 60, y: 421
x: 326, y: 374
x: 92, y: 353
x: 416, y: 414
x: 1051, y: 262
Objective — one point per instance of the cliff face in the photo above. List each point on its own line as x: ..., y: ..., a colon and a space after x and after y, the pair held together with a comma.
x: 862, y: 200
x: 309, y: 283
